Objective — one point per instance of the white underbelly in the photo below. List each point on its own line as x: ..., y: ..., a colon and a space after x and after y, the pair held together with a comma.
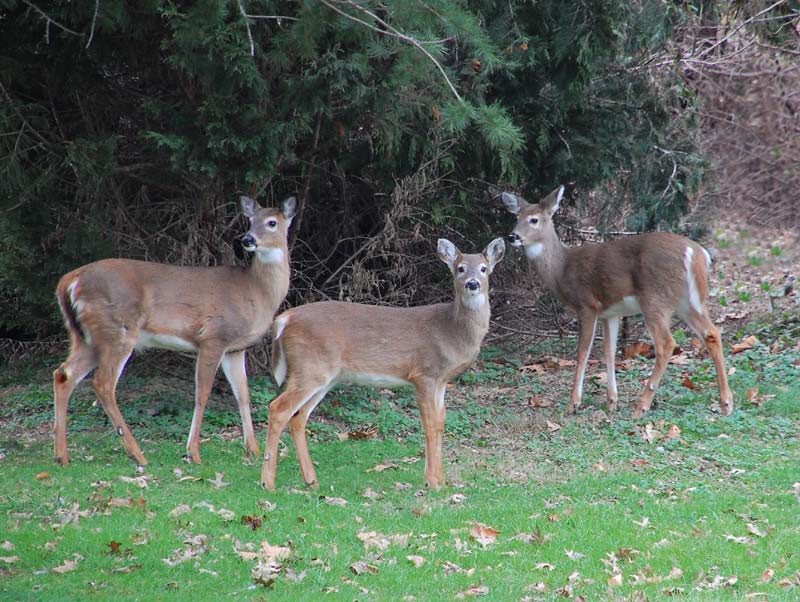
x: 371, y: 380
x: 628, y: 306
x: 151, y: 340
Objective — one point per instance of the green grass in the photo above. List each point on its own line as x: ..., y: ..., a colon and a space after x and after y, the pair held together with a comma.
x: 593, y: 496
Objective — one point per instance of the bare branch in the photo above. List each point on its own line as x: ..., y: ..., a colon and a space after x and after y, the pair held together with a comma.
x: 247, y: 25
x: 49, y: 20
x: 94, y: 19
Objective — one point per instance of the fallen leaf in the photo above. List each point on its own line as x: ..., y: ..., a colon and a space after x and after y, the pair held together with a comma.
x: 69, y: 565
x: 636, y: 349
x: 753, y: 530
x: 114, y: 547
x: 573, y: 555
x: 417, y: 561
x: 615, y: 580
x: 42, y: 475
x: 7, y: 546
x: 483, y: 534
x: 535, y: 368
x: 644, y: 523
x: 293, y: 576
x: 254, y: 522
x: 673, y: 433
x: 538, y: 402
x: 767, y: 575
x: 744, y: 539
x: 731, y: 370
x: 379, y: 541
x: 333, y: 501
x: 127, y: 569
x: 543, y: 566
x: 141, y: 481
x: 747, y: 343
x: 178, y: 510
x: 382, y: 467
x: 457, y: 498
x: 687, y: 382
x: 9, y: 559
x: 474, y: 590
x: 361, y: 567
x: 535, y: 537
x: 553, y: 427
x: 371, y: 494
x: 217, y: 481
x: 369, y: 433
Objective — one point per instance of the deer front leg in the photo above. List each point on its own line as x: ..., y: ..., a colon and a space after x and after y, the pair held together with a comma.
x: 588, y: 323
x: 66, y: 377
x: 430, y: 399
x: 610, y: 334
x: 234, y: 367
x: 208, y: 360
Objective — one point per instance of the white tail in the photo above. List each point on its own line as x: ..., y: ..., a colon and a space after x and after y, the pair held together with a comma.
x: 114, y: 306
x: 319, y: 345
x: 656, y: 274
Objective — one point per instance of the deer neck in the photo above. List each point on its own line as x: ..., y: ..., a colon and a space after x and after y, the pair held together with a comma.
x: 548, y: 257
x: 270, y: 270
x: 469, y: 318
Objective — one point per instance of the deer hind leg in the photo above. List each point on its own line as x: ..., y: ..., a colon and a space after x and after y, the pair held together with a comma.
x: 208, y: 360
x: 281, y: 410
x: 658, y: 325
x: 233, y: 365
x: 588, y: 324
x: 66, y: 377
x: 610, y: 334
x: 430, y: 399
x: 111, y: 364
x: 297, y: 427
x: 704, y: 328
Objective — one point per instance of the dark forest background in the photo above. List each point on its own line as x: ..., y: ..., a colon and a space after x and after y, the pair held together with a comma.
x: 130, y: 127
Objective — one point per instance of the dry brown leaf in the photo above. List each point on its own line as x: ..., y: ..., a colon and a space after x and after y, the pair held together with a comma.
x: 538, y: 402
x: 543, y: 566
x: 553, y: 427
x: 361, y: 567
x: 753, y: 530
x: 291, y: 575
x: 767, y: 575
x: 615, y: 580
x: 640, y: 462
x: 217, y: 481
x: 484, y: 534
x: 636, y: 349
x: 114, y: 547
x: 140, y: 481
x: 417, y: 561
x: 650, y: 434
x: 382, y: 467
x: 181, y: 509
x: 535, y: 368
x: 9, y: 559
x: 254, y: 522
x: 367, y: 433
x: 69, y: 565
x: 7, y: 546
x: 457, y: 498
x: 674, y: 432
x: 573, y: 555
x: 42, y: 475
x: 379, y: 541
x: 747, y: 343
x: 333, y: 501
x: 687, y: 382
x: 474, y: 590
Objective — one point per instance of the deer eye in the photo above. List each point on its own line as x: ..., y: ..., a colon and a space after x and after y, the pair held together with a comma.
x: 533, y: 221
x: 272, y: 223
x: 461, y: 269
x: 483, y: 269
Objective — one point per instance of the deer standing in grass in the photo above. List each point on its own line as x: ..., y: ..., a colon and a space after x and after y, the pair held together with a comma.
x: 114, y: 306
x: 317, y: 346
x: 656, y: 274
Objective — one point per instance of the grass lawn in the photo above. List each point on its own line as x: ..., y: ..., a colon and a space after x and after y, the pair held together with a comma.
x: 540, y: 506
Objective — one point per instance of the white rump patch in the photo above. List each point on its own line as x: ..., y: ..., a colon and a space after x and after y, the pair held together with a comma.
x: 693, y: 293
x: 535, y: 250
x: 270, y: 255
x: 629, y: 306
x: 371, y: 380
x: 279, y: 367
x: 280, y: 324
x: 473, y: 301
x: 151, y: 340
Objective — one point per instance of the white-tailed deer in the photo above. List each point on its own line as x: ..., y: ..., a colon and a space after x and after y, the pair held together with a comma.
x: 656, y: 275
x: 114, y: 306
x: 317, y: 346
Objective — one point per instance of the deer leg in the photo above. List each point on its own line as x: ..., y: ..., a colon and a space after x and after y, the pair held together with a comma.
x: 281, y: 411
x: 588, y: 323
x: 208, y: 360
x: 610, y: 333
x: 658, y: 325
x: 234, y: 367
x: 105, y: 385
x: 297, y: 427
x: 430, y: 399
x: 704, y: 328
x: 66, y: 377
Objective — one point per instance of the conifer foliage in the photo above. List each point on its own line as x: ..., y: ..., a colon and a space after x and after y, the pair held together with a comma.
x: 129, y: 128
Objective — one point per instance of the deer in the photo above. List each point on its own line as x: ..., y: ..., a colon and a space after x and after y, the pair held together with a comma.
x: 656, y: 274
x: 320, y: 345
x: 114, y: 306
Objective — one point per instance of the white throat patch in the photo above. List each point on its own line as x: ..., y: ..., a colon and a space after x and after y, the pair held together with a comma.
x: 270, y: 255
x: 535, y: 250
x: 474, y: 301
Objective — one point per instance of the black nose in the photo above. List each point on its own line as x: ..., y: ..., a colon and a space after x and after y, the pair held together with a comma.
x: 248, y: 240
x: 473, y: 285
x: 513, y: 237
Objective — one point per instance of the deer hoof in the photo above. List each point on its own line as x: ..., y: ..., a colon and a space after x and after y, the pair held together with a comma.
x: 314, y: 485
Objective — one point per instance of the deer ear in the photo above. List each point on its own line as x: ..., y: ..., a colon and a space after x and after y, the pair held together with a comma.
x: 447, y: 252
x: 495, y: 251
x: 249, y: 206
x: 553, y: 200
x: 512, y: 202
x: 289, y: 207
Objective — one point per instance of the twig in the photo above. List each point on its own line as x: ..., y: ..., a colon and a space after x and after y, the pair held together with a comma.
x: 392, y: 32
x: 247, y: 25
x: 50, y: 19
x: 94, y: 19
